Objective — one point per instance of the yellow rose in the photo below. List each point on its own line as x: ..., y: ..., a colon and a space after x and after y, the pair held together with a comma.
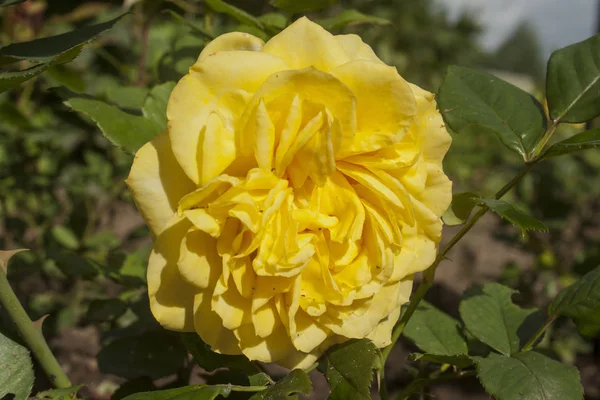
x: 297, y: 190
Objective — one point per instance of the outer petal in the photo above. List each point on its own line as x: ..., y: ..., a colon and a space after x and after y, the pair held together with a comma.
x: 157, y: 182
x: 385, y: 104
x: 232, y: 41
x: 305, y: 44
x: 171, y: 297
x: 219, y: 85
x: 355, y: 48
x: 198, y: 256
x: 429, y: 127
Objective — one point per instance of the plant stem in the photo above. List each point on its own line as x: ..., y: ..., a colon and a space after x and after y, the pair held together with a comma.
x: 419, y: 384
x: 32, y: 335
x: 311, y: 368
x: 429, y: 274
x: 542, y: 143
x: 237, y: 388
x: 531, y: 342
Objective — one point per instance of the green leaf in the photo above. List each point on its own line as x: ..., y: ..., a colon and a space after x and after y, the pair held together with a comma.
x: 274, y: 20
x: 155, y: 105
x: 490, y: 315
x: 106, y: 310
x: 65, y: 237
x: 134, y: 386
x: 59, y: 394
x: 350, y: 17
x: 461, y: 361
x: 128, y: 131
x: 155, y: 354
x: 472, y: 101
x: 513, y: 215
x: 194, y: 392
x: 435, y: 332
x: 573, y: 82
x: 4, y: 3
x: 349, y: 369
x: 57, y: 49
x: 581, y: 302
x: 296, y: 381
x: 530, y: 376
x: 10, y: 80
x: 127, y: 97
x: 210, y: 361
x: 581, y: 141
x: 295, y: 6
x: 240, y: 15
x: 16, y: 370
x: 460, y: 208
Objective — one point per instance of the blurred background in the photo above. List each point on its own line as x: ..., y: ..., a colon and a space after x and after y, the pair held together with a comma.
x: 62, y: 193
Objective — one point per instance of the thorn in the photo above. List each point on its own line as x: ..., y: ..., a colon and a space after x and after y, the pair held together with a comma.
x: 38, y: 324
x: 5, y: 256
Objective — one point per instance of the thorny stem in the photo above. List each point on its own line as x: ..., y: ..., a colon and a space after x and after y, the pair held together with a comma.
x: 418, y: 384
x: 429, y: 274
x: 32, y: 335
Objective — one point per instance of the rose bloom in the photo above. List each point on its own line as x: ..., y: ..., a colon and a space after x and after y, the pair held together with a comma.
x: 297, y: 189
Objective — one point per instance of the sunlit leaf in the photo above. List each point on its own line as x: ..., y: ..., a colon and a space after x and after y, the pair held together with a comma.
x: 530, y: 376
x: 578, y: 142
x: 295, y: 382
x: 16, y: 370
x: 128, y: 131
x: 194, y: 392
x: 513, y: 215
x: 573, y: 82
x: 349, y: 369
x: 476, y: 102
x: 491, y: 316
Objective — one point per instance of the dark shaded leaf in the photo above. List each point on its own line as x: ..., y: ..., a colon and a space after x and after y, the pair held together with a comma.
x: 55, y: 49
x: 435, y: 332
x: 573, y: 82
x: 155, y: 354
x: 490, y: 315
x: 350, y: 17
x: 513, y: 215
x: 106, y: 310
x: 295, y: 6
x: 295, y: 382
x: 239, y: 14
x: 581, y: 302
x: 349, y: 369
x: 530, y: 376
x: 473, y: 101
x: 581, y: 141
x: 460, y: 208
